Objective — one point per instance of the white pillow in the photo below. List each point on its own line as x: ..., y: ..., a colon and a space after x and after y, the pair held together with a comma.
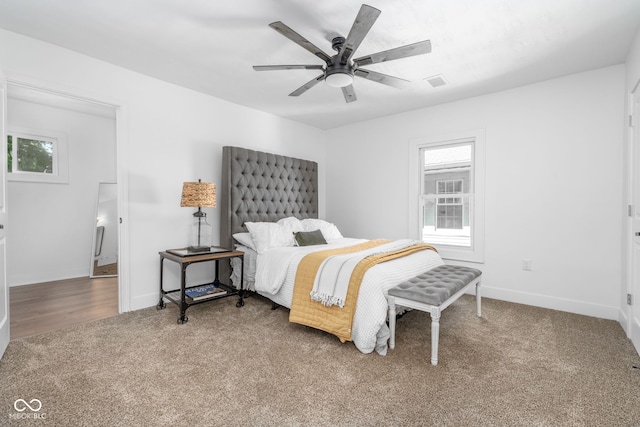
x: 245, y: 240
x: 292, y: 223
x: 267, y: 235
x: 329, y: 230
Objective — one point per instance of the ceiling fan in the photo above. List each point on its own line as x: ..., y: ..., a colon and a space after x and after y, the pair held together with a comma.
x: 339, y: 69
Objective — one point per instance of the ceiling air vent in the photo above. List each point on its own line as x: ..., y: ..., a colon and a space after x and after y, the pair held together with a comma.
x: 436, y: 81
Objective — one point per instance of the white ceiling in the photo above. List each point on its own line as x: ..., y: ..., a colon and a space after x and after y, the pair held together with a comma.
x: 478, y: 46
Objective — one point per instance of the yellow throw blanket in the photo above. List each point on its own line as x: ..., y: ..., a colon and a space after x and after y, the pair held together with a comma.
x: 333, y: 319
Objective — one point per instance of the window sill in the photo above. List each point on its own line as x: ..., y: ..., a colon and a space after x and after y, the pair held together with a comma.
x: 456, y: 254
x: 41, y: 178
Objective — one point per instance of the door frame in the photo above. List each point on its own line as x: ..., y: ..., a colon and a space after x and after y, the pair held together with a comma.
x: 5, y: 315
x: 122, y: 157
x: 631, y: 324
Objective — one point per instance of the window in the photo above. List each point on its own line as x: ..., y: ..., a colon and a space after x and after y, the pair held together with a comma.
x: 448, y: 186
x: 449, y: 209
x: 446, y: 169
x: 36, y: 156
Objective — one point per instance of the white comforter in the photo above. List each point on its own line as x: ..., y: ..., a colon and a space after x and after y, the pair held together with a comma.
x: 276, y: 272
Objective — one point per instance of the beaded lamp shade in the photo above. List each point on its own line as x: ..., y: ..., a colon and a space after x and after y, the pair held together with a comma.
x: 198, y: 195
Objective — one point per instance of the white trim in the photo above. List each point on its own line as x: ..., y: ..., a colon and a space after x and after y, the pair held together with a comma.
x: 5, y: 314
x: 476, y: 252
x: 599, y: 311
x: 627, y: 316
x: 626, y: 319
x: 122, y: 147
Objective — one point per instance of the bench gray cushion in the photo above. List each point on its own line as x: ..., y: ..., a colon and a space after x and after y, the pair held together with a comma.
x: 436, y: 285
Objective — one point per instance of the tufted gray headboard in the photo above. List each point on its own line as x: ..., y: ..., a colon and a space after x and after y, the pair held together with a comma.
x: 259, y: 186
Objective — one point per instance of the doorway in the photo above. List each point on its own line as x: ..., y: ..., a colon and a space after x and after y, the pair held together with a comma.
x: 52, y: 225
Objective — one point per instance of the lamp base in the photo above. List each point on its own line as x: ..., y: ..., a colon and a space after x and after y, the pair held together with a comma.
x: 199, y: 248
x: 200, y: 234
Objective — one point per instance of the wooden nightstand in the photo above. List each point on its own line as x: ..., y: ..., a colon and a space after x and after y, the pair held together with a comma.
x: 185, y: 259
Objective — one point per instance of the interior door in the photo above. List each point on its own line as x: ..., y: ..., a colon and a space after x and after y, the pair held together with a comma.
x: 634, y: 310
x: 4, y: 287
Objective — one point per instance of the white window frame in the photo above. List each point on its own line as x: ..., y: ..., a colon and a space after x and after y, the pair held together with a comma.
x: 474, y: 253
x: 60, y: 156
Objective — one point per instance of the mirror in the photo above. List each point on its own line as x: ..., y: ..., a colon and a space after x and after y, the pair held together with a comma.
x: 104, y: 254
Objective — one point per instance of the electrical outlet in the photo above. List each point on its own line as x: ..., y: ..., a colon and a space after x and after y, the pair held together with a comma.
x: 526, y: 264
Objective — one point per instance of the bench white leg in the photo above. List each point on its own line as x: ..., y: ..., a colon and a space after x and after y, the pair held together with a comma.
x: 435, y: 335
x: 478, y: 300
x: 392, y: 322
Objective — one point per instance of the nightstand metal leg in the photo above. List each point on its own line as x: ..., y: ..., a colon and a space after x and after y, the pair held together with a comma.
x: 161, y: 303
x: 240, y: 302
x: 183, y: 303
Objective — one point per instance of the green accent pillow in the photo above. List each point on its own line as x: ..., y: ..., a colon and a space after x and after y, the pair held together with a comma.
x: 308, y: 238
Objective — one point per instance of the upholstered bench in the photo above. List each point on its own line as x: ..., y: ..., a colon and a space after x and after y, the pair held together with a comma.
x: 433, y: 291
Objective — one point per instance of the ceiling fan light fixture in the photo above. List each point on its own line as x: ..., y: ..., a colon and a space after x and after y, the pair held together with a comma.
x: 339, y: 79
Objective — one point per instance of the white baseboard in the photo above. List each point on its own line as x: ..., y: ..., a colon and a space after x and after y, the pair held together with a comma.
x: 554, y: 303
x: 624, y: 321
x: 144, y: 301
x: 635, y: 334
x: 41, y: 277
x: 544, y: 301
x: 570, y: 306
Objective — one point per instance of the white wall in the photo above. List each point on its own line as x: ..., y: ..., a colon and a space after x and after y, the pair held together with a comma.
x: 553, y: 179
x: 172, y: 135
x: 51, y: 226
x: 554, y: 152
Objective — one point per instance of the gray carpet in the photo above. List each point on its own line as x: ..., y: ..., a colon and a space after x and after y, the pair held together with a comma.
x: 517, y: 366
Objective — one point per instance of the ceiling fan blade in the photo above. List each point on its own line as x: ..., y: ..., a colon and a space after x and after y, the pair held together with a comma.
x: 418, y: 48
x: 349, y: 93
x: 305, y: 87
x: 287, y: 67
x: 298, y: 39
x: 361, y: 26
x: 381, y: 78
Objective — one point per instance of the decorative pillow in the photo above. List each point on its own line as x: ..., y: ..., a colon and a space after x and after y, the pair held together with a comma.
x: 292, y: 223
x: 245, y: 240
x: 267, y: 235
x: 329, y: 230
x: 308, y: 238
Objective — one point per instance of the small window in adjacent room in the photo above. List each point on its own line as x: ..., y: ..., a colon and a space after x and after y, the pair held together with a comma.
x: 450, y: 197
x: 36, y: 156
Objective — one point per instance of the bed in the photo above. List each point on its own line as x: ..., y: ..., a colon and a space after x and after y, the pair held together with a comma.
x: 266, y: 191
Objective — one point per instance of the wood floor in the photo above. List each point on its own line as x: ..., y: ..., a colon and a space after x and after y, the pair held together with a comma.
x: 44, y: 307
x: 105, y: 270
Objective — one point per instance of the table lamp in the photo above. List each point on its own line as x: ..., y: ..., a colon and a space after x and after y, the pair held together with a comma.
x: 199, y: 195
